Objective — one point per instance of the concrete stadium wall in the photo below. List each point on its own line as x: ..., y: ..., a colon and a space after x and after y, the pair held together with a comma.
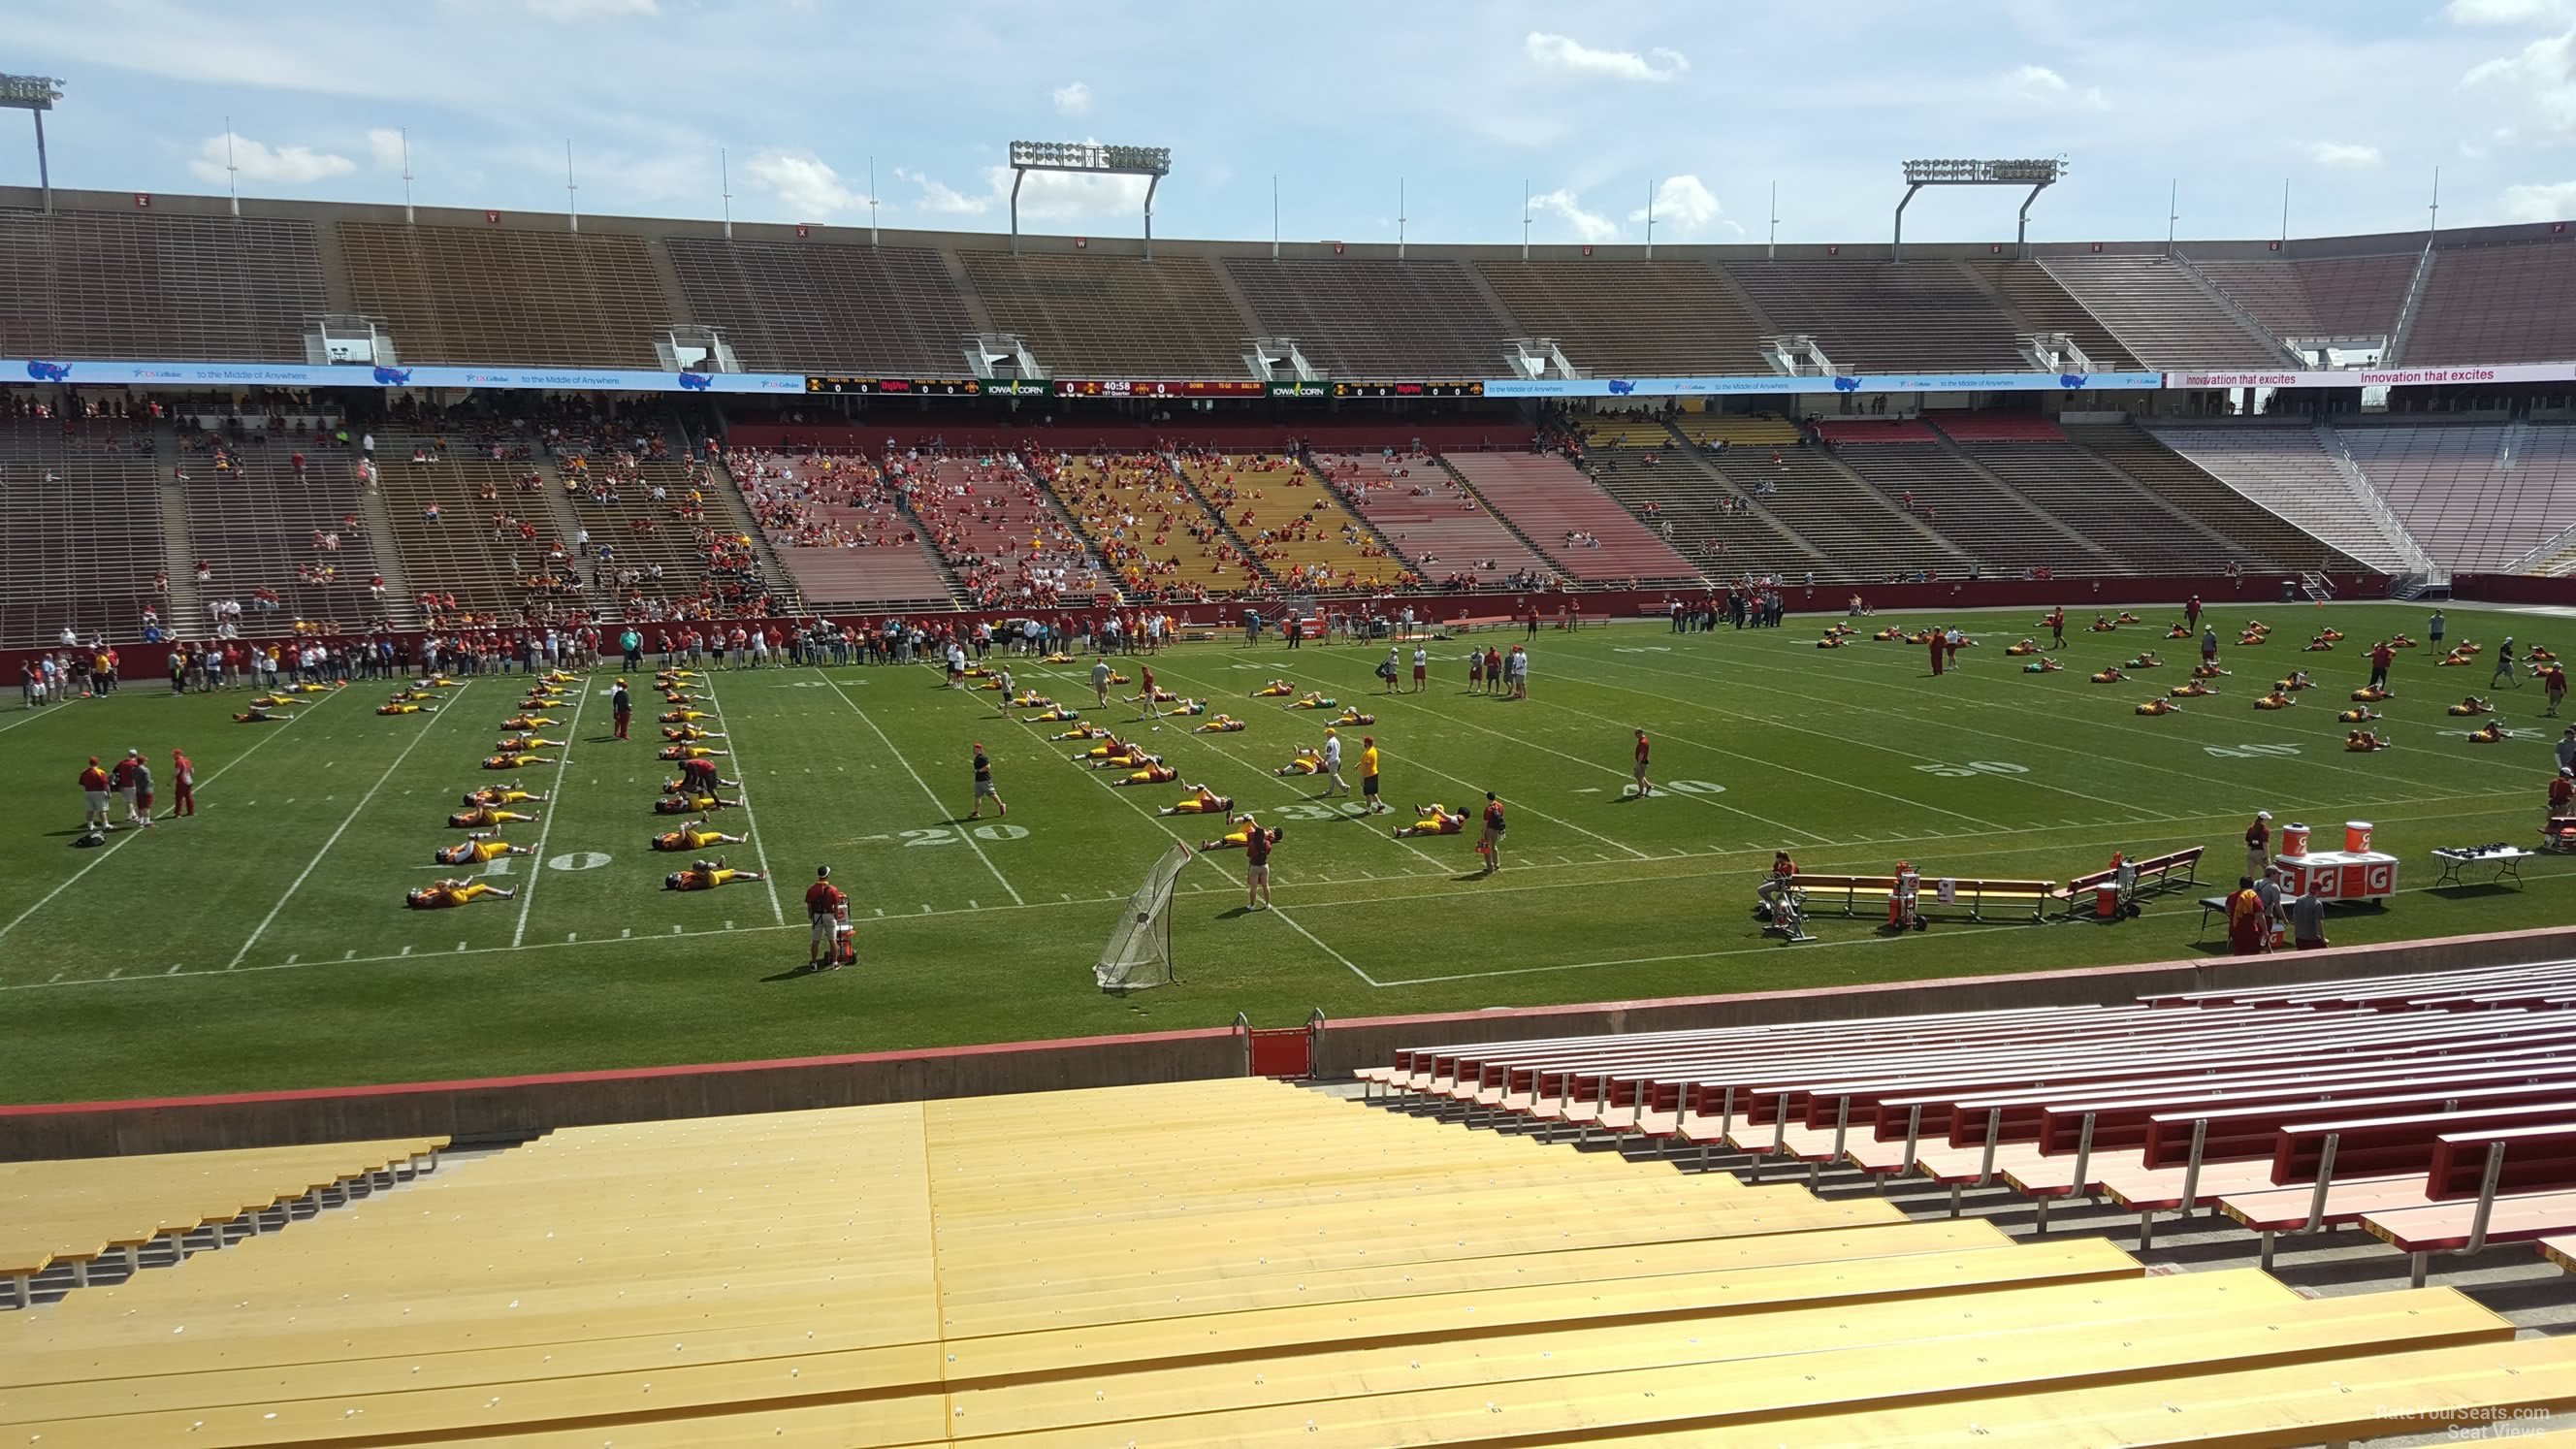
x: 516, y: 1106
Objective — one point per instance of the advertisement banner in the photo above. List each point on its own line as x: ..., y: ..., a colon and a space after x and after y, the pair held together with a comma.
x: 2506, y: 372
x: 292, y: 374
x: 1860, y: 383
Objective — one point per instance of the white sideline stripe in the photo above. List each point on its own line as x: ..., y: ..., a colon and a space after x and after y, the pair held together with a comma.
x: 266, y: 921
x: 1767, y: 948
x: 1497, y: 887
x: 966, y: 835
x: 545, y: 827
x: 751, y: 822
x: 112, y: 846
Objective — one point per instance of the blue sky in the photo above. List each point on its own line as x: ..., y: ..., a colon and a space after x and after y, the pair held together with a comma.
x: 2353, y: 104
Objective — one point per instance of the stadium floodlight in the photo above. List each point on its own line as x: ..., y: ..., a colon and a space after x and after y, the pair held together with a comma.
x: 1091, y: 158
x: 34, y: 94
x: 2038, y: 174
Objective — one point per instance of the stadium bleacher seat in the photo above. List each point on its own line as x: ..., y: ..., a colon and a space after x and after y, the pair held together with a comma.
x: 2162, y: 313
x: 1201, y: 1263
x: 1149, y: 528
x: 2191, y: 491
x: 1114, y: 317
x: 845, y: 540
x: 2508, y: 302
x: 96, y: 502
x: 503, y: 296
x: 1376, y: 319
x: 1920, y: 316
x: 1430, y: 518
x: 818, y: 307
x: 2292, y: 470
x: 145, y: 286
x: 2478, y: 497
x: 2316, y: 298
x: 2045, y: 307
x: 1002, y: 535
x: 1906, y: 462
x: 1639, y: 319
x: 1674, y: 490
x: 1567, y: 517
x: 1858, y: 535
x: 1292, y: 523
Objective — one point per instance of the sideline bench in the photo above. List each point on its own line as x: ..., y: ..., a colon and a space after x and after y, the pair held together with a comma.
x: 1850, y: 893
x: 2154, y: 876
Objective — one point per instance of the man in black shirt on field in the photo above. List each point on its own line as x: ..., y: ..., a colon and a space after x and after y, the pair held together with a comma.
x: 984, y: 785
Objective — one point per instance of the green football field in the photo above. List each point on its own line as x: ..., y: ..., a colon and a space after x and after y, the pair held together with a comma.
x: 264, y: 943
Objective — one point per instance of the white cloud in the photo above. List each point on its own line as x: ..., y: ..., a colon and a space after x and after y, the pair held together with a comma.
x: 2551, y: 201
x: 1566, y: 53
x: 1588, y: 225
x: 385, y: 148
x: 802, y: 180
x: 2507, y: 12
x: 2345, y: 154
x: 2037, y: 83
x: 291, y: 165
x: 2542, y: 76
x: 1683, y: 207
x: 1072, y: 99
x: 575, y: 10
x: 940, y: 198
x: 1068, y: 195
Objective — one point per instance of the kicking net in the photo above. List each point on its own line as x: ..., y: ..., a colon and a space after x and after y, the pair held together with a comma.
x: 1139, y: 953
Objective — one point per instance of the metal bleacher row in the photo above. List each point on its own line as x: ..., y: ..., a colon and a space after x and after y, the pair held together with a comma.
x: 1213, y: 1263
x: 2437, y: 1111
x: 103, y: 278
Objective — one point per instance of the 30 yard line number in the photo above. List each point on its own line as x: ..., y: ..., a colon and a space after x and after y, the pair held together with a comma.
x: 1974, y: 767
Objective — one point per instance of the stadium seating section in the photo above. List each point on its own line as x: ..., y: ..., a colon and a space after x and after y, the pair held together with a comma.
x: 2315, y: 299
x: 2193, y: 492
x: 1114, y: 317
x: 507, y: 297
x: 789, y: 307
x: 1567, y: 518
x: 91, y: 504
x: 1292, y: 523
x: 2513, y: 303
x: 2294, y: 470
x: 844, y: 537
x: 1640, y: 319
x: 1430, y: 518
x: 1149, y: 526
x: 1891, y: 317
x: 177, y: 288
x: 2162, y: 313
x: 2475, y: 497
x: 1216, y: 1263
x: 1377, y: 319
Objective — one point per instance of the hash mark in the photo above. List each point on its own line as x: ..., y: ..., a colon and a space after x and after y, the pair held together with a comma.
x: 406, y: 950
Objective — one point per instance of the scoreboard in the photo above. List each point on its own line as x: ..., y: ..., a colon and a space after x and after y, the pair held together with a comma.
x: 1410, y: 388
x: 926, y: 386
x: 1159, y: 387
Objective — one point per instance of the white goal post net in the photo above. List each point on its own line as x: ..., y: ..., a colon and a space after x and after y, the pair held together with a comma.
x: 1139, y: 953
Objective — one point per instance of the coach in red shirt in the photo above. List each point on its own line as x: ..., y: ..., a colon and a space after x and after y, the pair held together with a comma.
x: 823, y: 903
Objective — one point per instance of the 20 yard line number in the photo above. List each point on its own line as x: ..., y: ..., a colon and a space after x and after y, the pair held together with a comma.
x: 2249, y: 752
x: 944, y: 835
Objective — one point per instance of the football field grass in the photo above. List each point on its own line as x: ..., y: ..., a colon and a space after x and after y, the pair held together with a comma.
x: 264, y: 942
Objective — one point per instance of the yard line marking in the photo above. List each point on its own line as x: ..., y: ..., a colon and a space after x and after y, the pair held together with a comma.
x: 354, y: 811
x: 1196, y: 854
x: 966, y: 835
x: 545, y: 827
x: 1529, y: 809
x: 768, y: 877
x: 1290, y: 783
x: 112, y: 846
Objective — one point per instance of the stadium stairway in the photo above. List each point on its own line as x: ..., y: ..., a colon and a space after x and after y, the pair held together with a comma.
x: 183, y: 613
x: 400, y: 605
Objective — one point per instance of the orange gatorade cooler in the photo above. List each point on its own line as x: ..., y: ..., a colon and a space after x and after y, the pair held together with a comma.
x: 2356, y: 837
x: 2294, y: 840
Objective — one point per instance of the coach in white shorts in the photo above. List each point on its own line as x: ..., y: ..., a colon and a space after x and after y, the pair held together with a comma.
x: 1333, y: 764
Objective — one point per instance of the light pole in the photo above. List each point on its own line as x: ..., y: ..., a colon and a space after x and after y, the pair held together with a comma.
x: 36, y: 94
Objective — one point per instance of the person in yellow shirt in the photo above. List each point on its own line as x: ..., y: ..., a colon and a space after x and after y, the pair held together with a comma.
x: 706, y: 875
x: 1078, y: 732
x: 1200, y: 801
x: 690, y: 732
x: 526, y: 742
x: 516, y: 761
x: 439, y: 895
x: 692, y: 804
x: 1224, y: 724
x: 696, y: 835
x: 1155, y: 772
x: 1368, y: 775
x: 1307, y: 761
x: 477, y: 848
x: 509, y: 794
x: 1434, y: 819
x: 529, y: 722
x: 677, y: 716
x: 692, y: 752
x: 484, y: 817
x: 405, y: 708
